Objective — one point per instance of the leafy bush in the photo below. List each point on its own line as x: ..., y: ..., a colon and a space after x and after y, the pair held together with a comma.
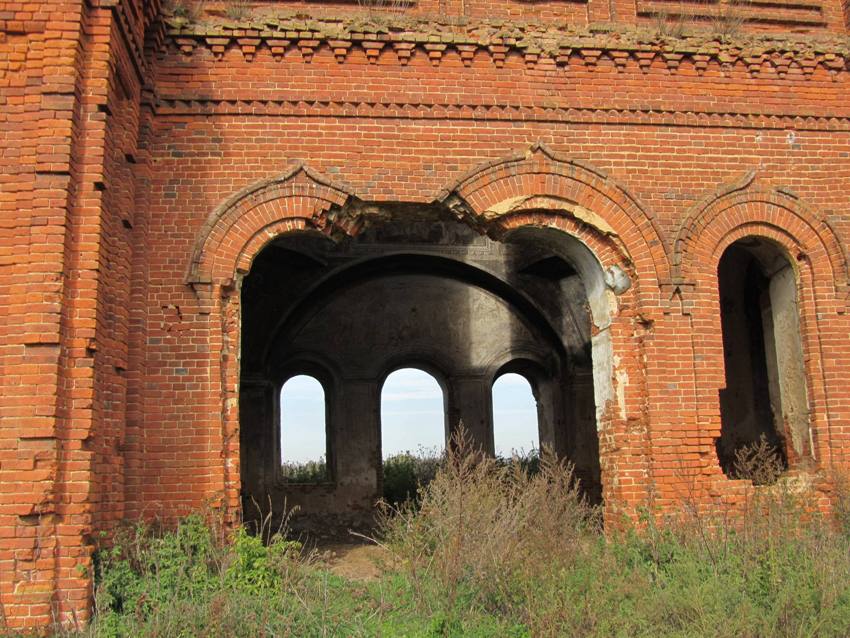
x: 406, y: 473
x: 529, y: 461
x: 306, y: 472
x: 175, y: 583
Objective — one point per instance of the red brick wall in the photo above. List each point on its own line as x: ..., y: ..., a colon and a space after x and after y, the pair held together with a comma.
x: 118, y: 379
x: 70, y: 74
x: 671, y: 126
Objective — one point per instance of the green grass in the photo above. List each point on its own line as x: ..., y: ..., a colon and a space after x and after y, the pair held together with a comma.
x: 492, y: 549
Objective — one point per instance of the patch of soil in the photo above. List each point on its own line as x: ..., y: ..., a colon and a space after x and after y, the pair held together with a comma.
x: 355, y: 561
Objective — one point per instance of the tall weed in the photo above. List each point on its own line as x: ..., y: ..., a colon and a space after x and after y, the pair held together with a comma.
x: 495, y: 548
x: 494, y: 540
x: 483, y: 527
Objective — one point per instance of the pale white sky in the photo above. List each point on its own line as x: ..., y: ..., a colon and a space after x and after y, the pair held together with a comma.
x: 514, y: 416
x: 411, y: 416
x: 412, y: 413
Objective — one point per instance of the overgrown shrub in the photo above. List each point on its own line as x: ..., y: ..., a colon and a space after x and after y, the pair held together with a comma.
x: 496, y: 548
x: 187, y: 10
x: 484, y: 526
x: 174, y: 583
x: 760, y: 462
x: 529, y: 461
x: 237, y: 10
x: 306, y: 472
x: 495, y: 540
x: 406, y: 473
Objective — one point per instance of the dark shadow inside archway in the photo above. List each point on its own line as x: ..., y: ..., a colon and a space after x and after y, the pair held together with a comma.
x: 764, y: 405
x: 425, y: 292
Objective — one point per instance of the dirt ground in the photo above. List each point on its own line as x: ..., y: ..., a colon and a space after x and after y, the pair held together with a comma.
x: 354, y: 560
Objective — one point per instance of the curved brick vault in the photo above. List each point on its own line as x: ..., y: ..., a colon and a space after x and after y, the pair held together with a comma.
x: 141, y: 180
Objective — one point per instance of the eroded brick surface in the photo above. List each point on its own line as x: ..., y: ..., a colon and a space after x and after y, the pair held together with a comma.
x: 129, y: 139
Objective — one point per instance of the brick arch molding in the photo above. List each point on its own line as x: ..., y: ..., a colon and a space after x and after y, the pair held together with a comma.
x: 299, y: 199
x: 494, y: 193
x: 710, y: 225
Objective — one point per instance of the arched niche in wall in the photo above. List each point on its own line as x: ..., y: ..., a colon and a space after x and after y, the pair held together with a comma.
x: 775, y: 228
x: 765, y: 399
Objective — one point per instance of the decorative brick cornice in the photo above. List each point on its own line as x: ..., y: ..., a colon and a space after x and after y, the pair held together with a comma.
x: 481, y: 112
x: 540, y: 45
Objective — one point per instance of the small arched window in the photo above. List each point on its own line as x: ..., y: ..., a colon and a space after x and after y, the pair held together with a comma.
x: 413, y: 432
x: 764, y: 404
x: 413, y: 415
x: 303, y: 431
x: 516, y: 428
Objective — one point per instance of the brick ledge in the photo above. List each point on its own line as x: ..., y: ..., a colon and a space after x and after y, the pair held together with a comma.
x: 555, y: 46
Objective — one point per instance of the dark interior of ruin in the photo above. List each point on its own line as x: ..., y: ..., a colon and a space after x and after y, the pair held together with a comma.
x: 429, y: 292
x: 765, y: 394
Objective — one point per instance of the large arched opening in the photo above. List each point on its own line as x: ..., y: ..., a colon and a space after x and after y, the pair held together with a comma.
x: 414, y: 427
x: 516, y: 424
x: 432, y: 293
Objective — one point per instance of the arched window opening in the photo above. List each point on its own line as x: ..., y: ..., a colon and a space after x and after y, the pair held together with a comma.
x: 413, y: 432
x: 303, y: 431
x: 764, y: 404
x: 516, y: 428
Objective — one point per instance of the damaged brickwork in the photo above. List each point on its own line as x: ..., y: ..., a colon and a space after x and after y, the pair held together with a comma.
x: 574, y: 170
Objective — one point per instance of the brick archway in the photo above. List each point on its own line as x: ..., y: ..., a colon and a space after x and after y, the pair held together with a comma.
x: 541, y: 192
x: 299, y: 199
x: 234, y: 233
x: 740, y: 211
x: 493, y: 194
x: 741, y: 203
